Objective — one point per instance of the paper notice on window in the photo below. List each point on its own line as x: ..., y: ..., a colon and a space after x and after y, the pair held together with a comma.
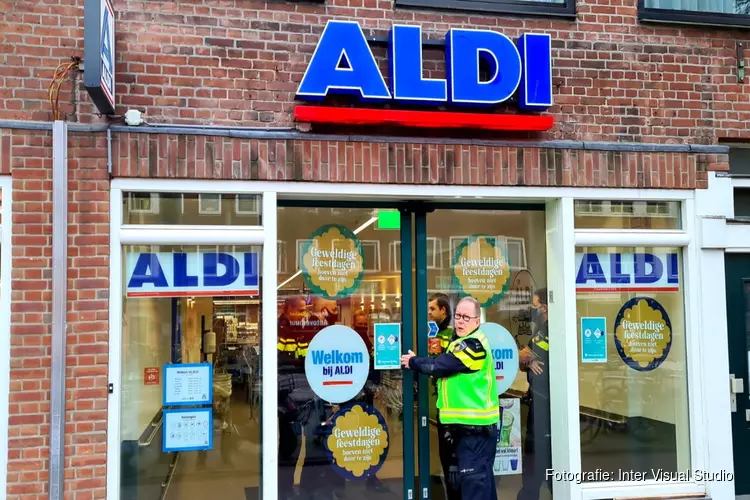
x: 187, y: 384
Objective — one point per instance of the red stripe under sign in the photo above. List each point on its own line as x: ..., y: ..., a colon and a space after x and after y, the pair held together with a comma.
x: 421, y: 119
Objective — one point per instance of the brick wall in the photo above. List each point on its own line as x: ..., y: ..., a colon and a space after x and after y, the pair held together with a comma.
x: 206, y: 157
x: 88, y: 317
x: 29, y: 156
x: 239, y: 63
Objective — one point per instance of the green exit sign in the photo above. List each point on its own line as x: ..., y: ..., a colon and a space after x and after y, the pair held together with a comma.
x: 389, y: 219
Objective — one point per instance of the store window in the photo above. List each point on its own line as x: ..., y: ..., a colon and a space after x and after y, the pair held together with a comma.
x: 191, y: 372
x: 514, y: 317
x: 191, y: 209
x: 624, y: 214
x: 340, y: 416
x: 548, y: 7
x: 340, y: 294
x: 729, y: 12
x: 632, y: 361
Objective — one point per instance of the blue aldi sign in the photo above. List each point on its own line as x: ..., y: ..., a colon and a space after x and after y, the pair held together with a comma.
x: 99, y: 54
x: 191, y: 274
x: 344, y: 64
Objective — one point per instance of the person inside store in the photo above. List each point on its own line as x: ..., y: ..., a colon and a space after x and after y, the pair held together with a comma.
x: 534, y: 360
x: 466, y: 375
x: 439, y: 311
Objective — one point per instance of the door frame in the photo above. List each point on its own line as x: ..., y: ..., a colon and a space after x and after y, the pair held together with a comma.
x: 561, y: 241
x: 420, y: 211
x: 413, y: 239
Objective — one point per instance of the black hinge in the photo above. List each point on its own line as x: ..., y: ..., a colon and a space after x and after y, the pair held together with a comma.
x: 111, y: 388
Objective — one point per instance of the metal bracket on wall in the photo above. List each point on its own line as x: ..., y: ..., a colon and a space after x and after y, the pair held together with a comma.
x: 740, y: 62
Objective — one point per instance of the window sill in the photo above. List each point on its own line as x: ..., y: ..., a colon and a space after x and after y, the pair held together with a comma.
x: 536, y: 9
x: 693, y: 18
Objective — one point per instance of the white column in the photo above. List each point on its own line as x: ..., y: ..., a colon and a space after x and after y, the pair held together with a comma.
x: 712, y: 206
x: 269, y: 367
x: 565, y: 425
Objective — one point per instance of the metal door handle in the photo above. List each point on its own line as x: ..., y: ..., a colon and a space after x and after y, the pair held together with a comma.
x: 738, y: 385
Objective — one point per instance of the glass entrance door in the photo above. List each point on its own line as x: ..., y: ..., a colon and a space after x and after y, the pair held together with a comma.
x: 357, y: 286
x: 498, y: 257
x: 345, y: 422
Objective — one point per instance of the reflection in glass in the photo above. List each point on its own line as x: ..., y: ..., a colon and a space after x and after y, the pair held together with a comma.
x: 622, y: 214
x: 633, y: 392
x: 367, y: 295
x: 717, y: 6
x: 192, y: 209
x: 519, y: 236
x: 182, y: 321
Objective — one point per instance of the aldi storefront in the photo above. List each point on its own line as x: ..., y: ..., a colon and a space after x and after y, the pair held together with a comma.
x: 266, y: 283
x: 276, y: 312
x: 282, y: 199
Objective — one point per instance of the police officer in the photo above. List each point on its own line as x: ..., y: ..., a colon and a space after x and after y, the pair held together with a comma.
x: 467, y: 399
x: 534, y: 359
x: 439, y: 311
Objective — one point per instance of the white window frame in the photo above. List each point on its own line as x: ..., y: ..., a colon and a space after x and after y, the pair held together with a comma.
x: 374, y: 267
x: 201, y: 199
x: 561, y: 242
x: 394, y: 254
x: 133, y: 234
x: 519, y: 266
x: 238, y: 211
x: 154, y: 210
x: 282, y: 257
x: 684, y: 239
x: 6, y: 255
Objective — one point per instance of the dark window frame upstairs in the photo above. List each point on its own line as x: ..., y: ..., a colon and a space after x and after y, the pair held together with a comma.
x: 566, y: 8
x: 691, y: 17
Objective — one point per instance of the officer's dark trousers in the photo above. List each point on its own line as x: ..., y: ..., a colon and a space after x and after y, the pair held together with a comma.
x: 537, y: 449
x: 446, y: 450
x: 475, y: 451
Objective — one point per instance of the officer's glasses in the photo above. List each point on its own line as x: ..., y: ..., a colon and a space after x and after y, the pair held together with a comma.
x: 463, y: 317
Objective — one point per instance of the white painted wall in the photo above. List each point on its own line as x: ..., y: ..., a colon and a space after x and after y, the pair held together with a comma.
x: 712, y: 207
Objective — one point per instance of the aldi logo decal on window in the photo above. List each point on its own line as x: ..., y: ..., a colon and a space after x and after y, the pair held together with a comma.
x: 191, y: 274
x: 627, y: 272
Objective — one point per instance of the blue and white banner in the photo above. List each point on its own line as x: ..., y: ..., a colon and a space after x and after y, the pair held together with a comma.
x: 191, y: 274
x: 627, y: 272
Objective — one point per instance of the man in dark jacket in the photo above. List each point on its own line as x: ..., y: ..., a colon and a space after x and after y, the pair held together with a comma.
x: 534, y: 359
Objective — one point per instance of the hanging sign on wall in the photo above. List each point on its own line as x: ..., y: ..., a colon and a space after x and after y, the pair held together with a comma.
x: 99, y: 53
x: 337, y: 363
x: 332, y: 261
x: 481, y: 269
x: 358, y: 443
x: 191, y: 274
x: 627, y: 272
x: 643, y: 333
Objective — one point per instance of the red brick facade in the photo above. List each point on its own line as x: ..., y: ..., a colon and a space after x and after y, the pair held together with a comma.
x: 207, y: 157
x: 238, y: 63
